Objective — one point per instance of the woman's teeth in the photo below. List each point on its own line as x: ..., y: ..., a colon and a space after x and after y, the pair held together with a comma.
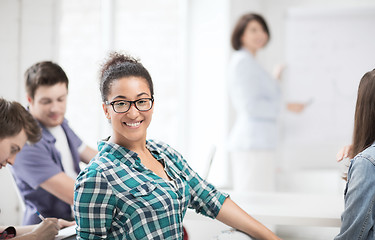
x: 133, y: 124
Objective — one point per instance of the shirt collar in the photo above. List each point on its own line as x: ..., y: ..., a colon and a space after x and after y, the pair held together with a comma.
x: 47, y: 134
x: 125, y: 155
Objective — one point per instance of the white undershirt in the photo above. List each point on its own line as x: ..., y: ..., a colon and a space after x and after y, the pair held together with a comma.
x: 63, y: 147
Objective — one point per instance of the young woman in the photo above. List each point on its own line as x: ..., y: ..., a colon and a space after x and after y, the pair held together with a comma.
x: 358, y: 218
x: 256, y: 98
x: 137, y: 188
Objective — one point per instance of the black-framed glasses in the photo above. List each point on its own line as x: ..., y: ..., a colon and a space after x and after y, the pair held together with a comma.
x: 122, y: 106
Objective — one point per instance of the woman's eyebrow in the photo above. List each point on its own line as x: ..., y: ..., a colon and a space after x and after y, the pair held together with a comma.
x: 119, y: 96
x: 141, y: 94
x: 124, y: 97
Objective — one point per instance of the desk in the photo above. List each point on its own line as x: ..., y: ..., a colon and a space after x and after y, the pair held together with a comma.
x: 294, y: 209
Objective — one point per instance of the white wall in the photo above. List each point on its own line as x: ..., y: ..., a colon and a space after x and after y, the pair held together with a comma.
x: 310, y: 168
x: 27, y: 35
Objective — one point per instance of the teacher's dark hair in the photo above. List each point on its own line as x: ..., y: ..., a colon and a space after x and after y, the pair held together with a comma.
x: 241, y: 26
x: 119, y: 66
x: 364, y: 119
x: 13, y: 118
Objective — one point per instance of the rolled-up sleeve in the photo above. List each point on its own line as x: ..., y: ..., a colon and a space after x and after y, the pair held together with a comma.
x: 204, y: 197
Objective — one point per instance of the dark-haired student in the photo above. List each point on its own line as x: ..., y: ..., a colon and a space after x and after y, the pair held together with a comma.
x: 18, y: 127
x: 136, y: 188
x: 358, y: 218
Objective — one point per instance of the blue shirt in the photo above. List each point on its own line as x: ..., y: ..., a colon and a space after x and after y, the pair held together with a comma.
x: 358, y: 218
x: 255, y: 96
x: 116, y: 197
x: 35, y: 164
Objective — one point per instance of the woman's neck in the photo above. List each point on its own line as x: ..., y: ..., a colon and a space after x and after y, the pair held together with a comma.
x: 252, y: 51
x: 137, y: 147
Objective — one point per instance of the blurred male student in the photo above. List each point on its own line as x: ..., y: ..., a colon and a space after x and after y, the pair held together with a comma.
x: 45, y: 172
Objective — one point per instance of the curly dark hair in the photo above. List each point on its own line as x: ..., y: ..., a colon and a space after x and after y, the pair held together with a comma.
x: 120, y: 65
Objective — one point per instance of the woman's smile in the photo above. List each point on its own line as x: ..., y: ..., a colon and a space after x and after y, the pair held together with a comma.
x: 133, y: 124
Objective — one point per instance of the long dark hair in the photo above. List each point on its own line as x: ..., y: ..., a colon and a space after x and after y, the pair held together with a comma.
x: 364, y: 119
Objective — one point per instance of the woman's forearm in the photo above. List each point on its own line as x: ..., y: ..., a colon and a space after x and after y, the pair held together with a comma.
x: 232, y: 215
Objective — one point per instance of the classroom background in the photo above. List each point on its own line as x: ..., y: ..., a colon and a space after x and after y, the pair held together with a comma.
x: 326, y: 46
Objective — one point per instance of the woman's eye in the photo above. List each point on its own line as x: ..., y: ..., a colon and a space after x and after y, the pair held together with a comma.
x: 121, y: 104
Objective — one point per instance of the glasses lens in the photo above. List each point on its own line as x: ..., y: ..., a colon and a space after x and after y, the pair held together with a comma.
x: 144, y: 104
x: 121, y: 106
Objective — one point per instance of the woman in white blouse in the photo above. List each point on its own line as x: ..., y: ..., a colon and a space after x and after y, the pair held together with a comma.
x: 256, y: 98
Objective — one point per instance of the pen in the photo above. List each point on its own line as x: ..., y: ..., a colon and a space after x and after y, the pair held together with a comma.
x: 40, y: 216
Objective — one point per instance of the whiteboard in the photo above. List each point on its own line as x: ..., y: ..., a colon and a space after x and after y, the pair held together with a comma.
x: 328, y: 50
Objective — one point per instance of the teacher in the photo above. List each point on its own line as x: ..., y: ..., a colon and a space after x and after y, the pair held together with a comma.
x: 256, y: 98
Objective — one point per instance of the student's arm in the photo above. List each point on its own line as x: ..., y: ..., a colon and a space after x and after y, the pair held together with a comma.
x: 61, y: 186
x: 87, y: 154
x: 45, y: 230
x: 232, y: 215
x: 48, y: 226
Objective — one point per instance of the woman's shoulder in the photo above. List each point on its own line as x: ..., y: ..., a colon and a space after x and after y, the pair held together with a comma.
x: 99, y: 164
x: 242, y: 55
x: 164, y: 149
x: 159, y: 146
x: 366, y: 155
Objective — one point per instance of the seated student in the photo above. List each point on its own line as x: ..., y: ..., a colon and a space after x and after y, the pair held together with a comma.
x: 137, y: 188
x: 18, y: 126
x: 45, y: 172
x: 358, y: 218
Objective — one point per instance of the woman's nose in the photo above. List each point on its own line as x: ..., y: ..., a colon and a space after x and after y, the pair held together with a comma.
x: 133, y: 111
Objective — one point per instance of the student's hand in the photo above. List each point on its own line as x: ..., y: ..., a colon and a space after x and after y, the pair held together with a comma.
x: 47, y: 229
x: 63, y: 223
x: 343, y: 153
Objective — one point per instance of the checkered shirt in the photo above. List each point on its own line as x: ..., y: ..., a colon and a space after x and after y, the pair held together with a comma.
x: 116, y: 197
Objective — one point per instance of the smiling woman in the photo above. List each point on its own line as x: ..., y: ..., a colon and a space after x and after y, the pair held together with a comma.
x: 137, y: 188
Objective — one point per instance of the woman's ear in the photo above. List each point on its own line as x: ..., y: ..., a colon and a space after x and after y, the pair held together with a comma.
x: 105, y: 109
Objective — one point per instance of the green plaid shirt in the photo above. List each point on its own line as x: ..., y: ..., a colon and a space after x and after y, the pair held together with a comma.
x: 116, y: 197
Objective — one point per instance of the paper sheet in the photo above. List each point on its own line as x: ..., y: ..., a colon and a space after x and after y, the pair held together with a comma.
x: 66, y: 232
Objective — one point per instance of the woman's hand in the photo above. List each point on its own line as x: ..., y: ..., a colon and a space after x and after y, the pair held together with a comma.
x: 278, y: 71
x: 343, y: 153
x: 296, y: 107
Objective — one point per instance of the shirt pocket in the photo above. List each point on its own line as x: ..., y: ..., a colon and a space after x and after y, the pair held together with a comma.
x: 148, y: 198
